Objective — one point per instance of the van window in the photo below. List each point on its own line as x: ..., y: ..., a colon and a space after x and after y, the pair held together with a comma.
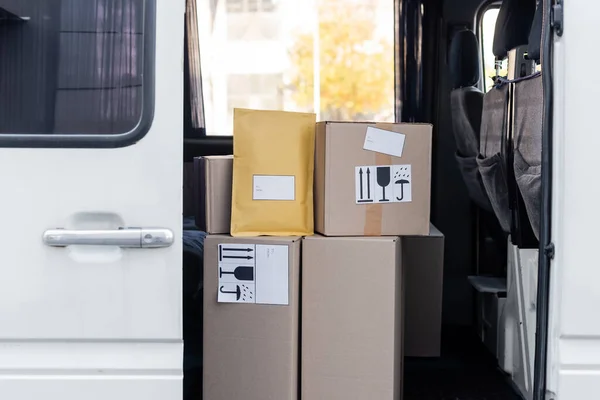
x: 487, y: 25
x: 73, y: 67
x: 260, y: 54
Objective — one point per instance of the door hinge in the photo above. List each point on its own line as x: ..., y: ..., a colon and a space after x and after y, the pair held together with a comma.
x: 549, y: 251
x: 557, y: 18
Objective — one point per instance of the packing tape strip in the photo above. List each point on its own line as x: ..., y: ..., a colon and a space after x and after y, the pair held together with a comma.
x: 374, y: 212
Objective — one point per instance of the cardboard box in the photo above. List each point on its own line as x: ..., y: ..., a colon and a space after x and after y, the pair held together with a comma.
x: 352, y: 160
x: 213, y: 193
x: 423, y: 261
x: 251, y: 319
x: 352, y: 326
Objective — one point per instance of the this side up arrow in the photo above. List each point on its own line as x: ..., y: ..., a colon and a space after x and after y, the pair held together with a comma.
x: 360, y: 173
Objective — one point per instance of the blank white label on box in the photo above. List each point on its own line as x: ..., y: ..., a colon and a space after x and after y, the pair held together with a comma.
x: 249, y: 273
x: 274, y: 187
x: 272, y: 275
x: 386, y: 142
x: 383, y: 184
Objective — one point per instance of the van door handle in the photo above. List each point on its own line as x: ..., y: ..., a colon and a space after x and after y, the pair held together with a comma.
x: 123, y: 237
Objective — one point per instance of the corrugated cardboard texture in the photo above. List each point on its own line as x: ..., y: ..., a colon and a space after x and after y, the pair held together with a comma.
x: 250, y: 350
x: 352, y: 327
x: 338, y: 150
x: 273, y: 146
x: 213, y: 193
x: 423, y: 261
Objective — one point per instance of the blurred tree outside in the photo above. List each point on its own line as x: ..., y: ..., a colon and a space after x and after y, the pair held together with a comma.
x: 356, y: 66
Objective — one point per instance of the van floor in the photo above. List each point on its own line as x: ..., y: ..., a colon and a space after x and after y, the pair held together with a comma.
x: 465, y: 371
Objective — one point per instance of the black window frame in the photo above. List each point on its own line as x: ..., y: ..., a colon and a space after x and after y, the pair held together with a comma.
x: 196, y: 143
x: 85, y: 141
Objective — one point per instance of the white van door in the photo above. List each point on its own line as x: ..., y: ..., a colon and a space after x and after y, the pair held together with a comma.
x: 91, y: 132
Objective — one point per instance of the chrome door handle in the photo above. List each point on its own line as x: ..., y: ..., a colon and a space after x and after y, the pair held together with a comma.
x: 122, y: 237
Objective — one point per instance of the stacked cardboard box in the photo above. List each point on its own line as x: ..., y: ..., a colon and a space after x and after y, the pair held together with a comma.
x: 372, y: 202
x: 252, y: 283
x: 371, y: 275
x: 251, y: 349
x: 212, y: 193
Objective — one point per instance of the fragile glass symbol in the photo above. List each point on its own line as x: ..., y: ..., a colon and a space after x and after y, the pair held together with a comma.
x: 240, y: 273
x: 383, y: 179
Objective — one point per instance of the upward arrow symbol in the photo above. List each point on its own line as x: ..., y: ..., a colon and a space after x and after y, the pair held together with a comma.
x: 368, y: 183
x: 360, y: 173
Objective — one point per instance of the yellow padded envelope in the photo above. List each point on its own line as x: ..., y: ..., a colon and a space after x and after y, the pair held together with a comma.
x: 273, y: 164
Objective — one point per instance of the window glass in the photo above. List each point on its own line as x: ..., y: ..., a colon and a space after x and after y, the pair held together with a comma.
x: 488, y: 25
x: 260, y: 54
x: 72, y: 66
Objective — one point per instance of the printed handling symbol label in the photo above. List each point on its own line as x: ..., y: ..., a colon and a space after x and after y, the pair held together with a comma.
x: 234, y: 253
x: 253, y: 274
x: 237, y: 293
x: 383, y: 184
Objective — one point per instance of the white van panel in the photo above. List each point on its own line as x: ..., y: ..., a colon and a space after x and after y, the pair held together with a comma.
x: 97, y: 322
x: 574, y: 327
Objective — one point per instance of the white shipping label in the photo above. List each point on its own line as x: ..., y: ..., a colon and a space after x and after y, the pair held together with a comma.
x: 272, y: 275
x: 386, y: 142
x: 251, y: 273
x: 274, y: 187
x: 383, y: 184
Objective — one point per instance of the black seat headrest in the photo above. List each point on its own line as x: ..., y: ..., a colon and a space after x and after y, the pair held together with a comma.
x: 512, y: 26
x: 464, y: 59
x: 535, y: 35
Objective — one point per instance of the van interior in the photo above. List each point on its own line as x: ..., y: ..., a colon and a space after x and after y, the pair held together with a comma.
x: 471, y: 68
x: 485, y: 119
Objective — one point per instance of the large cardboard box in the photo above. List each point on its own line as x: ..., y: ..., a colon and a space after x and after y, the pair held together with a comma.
x: 213, y: 193
x: 423, y: 261
x: 372, y: 179
x: 251, y: 320
x: 352, y: 325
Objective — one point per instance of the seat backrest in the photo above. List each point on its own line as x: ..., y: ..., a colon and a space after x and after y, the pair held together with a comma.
x: 527, y: 131
x: 511, y: 31
x: 535, y: 34
x: 512, y: 26
x: 491, y: 161
x: 466, y: 102
x: 527, y: 128
x: 466, y: 99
